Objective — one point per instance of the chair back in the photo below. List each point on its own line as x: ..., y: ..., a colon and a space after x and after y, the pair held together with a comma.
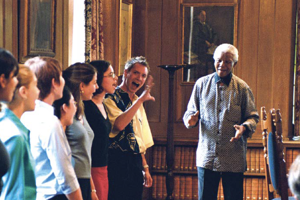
x: 275, y: 164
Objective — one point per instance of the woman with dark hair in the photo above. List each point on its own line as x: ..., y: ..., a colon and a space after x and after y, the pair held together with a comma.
x: 19, y: 181
x: 81, y: 79
x: 9, y: 69
x: 65, y: 108
x: 8, y: 81
x: 97, y: 117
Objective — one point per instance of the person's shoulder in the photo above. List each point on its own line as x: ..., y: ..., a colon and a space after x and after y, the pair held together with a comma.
x: 7, y: 125
x: 9, y: 130
x: 35, y: 121
x: 51, y: 126
x: 240, y: 81
x: 36, y: 117
x: 115, y: 97
x: 205, y: 79
x: 197, y: 23
x: 51, y: 122
x: 111, y: 95
x: 88, y: 105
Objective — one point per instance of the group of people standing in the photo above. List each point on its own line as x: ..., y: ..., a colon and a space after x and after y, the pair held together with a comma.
x: 73, y: 133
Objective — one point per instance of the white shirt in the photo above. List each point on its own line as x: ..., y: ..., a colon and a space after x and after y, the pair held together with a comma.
x: 51, y: 152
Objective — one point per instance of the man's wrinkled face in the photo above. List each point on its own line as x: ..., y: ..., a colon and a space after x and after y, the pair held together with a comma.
x: 224, y: 63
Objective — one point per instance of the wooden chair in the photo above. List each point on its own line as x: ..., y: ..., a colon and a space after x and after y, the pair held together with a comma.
x: 275, y: 165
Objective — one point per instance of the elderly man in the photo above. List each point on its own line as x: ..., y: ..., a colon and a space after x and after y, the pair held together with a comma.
x: 224, y: 107
x: 131, y: 135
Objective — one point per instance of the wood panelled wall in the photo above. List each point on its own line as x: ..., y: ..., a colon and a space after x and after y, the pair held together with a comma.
x: 9, y: 29
x: 265, y: 39
x: 9, y: 25
x: 111, y: 15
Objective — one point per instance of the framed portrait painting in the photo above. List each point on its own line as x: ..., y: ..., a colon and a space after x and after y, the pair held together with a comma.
x: 205, y: 26
x: 125, y: 34
x: 37, y: 28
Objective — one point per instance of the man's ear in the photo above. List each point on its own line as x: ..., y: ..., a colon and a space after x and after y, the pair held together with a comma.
x: 125, y: 72
x: 53, y: 83
x: 3, y: 81
x: 235, y: 64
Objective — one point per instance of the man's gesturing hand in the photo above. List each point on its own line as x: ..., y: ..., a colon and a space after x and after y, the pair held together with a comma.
x: 193, y: 119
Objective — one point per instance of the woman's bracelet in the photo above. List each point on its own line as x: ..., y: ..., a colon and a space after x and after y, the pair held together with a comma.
x: 146, y: 166
x: 94, y: 191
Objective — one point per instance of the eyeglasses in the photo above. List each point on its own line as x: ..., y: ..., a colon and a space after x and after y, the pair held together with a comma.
x: 112, y: 75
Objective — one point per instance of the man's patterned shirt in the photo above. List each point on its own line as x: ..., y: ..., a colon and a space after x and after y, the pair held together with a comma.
x: 222, y: 106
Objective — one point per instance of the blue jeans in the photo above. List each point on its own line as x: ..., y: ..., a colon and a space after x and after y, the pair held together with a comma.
x: 208, y: 184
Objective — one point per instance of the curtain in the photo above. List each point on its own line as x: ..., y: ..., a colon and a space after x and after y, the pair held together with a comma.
x: 94, y: 43
x: 297, y: 83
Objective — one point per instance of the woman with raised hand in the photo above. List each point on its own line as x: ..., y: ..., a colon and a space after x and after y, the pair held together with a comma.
x: 81, y: 79
x: 97, y: 117
x: 19, y: 181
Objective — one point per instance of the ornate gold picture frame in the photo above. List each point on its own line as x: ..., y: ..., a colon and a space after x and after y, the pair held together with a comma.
x: 37, y: 29
x: 125, y: 34
x: 204, y: 27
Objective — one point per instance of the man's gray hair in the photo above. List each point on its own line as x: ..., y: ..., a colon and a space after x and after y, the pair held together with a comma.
x: 227, y: 48
x: 139, y: 59
x: 294, y: 177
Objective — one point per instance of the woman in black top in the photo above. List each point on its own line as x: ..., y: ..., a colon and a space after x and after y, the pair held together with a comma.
x: 97, y: 118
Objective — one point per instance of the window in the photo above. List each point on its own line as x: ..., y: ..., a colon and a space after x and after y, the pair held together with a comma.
x: 78, y: 43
